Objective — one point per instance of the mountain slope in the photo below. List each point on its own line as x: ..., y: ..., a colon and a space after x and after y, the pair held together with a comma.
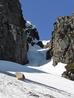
x: 42, y: 79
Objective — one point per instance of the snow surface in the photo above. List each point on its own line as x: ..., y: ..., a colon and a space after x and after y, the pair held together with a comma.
x: 43, y: 80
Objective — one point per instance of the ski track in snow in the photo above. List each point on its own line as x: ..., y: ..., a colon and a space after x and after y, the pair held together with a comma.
x: 42, y: 79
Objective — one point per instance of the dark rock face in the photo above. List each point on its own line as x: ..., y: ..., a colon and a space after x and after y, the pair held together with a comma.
x: 33, y: 35
x: 13, y: 39
x: 69, y: 73
x: 40, y: 44
x: 63, y: 40
x: 49, y: 54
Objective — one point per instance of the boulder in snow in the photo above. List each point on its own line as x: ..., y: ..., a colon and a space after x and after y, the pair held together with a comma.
x: 20, y: 76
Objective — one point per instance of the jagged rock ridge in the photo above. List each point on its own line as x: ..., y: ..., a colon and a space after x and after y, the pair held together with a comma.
x: 32, y: 35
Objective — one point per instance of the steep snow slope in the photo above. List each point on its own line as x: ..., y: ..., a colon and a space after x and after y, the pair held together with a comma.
x: 42, y: 79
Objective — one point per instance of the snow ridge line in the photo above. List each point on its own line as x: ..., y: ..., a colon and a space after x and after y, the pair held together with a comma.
x: 50, y: 87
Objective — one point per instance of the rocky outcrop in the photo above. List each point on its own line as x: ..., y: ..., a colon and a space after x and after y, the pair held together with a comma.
x: 62, y: 41
x: 69, y: 73
x: 32, y: 35
x: 13, y: 39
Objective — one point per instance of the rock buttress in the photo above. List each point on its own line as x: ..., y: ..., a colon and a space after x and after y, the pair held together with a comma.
x: 63, y: 40
x: 13, y: 39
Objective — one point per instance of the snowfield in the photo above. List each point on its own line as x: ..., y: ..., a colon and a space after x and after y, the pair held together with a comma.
x: 43, y: 80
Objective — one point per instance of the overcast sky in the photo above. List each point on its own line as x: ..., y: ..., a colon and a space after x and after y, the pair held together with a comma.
x: 43, y: 13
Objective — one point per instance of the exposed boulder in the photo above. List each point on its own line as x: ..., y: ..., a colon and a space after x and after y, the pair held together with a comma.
x: 13, y: 39
x: 62, y: 41
x: 20, y: 76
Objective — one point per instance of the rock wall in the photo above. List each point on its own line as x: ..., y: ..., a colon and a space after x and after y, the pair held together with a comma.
x: 62, y: 41
x: 13, y: 39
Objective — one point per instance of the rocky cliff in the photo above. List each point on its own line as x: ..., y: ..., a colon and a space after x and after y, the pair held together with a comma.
x: 62, y: 42
x: 13, y: 39
x: 32, y: 35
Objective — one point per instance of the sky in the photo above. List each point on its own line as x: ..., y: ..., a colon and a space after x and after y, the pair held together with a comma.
x: 43, y: 13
